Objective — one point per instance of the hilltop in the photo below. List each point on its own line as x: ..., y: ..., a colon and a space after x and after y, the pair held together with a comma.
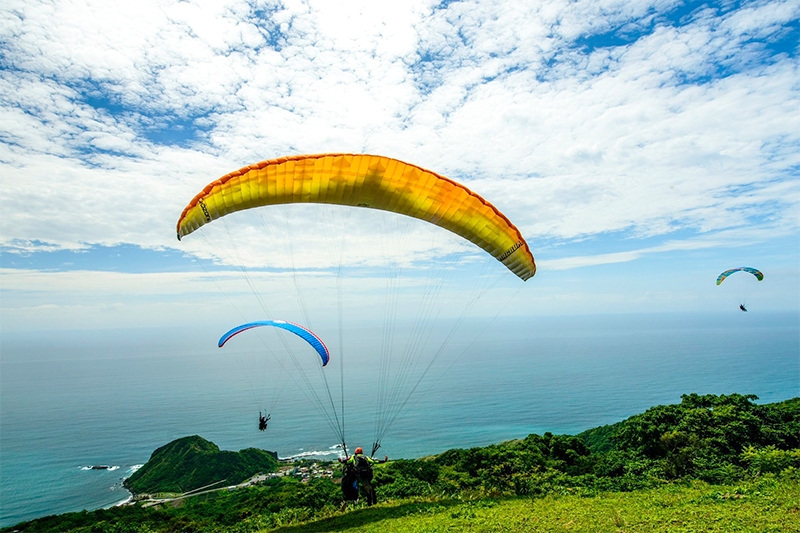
x: 711, y: 463
x: 189, y: 463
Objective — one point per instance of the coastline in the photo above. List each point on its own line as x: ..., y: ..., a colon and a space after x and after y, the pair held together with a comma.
x: 131, y: 496
x: 126, y: 501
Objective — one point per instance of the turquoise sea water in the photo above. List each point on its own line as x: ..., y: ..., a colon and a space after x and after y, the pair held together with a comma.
x: 71, y: 400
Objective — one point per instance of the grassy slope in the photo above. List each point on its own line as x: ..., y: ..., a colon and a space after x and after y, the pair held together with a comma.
x: 767, y: 505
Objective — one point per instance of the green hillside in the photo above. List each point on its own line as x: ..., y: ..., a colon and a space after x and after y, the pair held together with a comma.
x: 192, y: 462
x: 710, y: 463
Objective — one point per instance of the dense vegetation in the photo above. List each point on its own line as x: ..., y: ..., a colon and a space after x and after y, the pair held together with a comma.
x: 190, y: 463
x: 718, y: 439
x: 705, y: 451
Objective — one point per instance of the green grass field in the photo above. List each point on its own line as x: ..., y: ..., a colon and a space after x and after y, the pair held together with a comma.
x: 767, y: 505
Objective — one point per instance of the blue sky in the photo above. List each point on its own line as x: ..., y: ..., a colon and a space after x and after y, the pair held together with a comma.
x: 640, y: 146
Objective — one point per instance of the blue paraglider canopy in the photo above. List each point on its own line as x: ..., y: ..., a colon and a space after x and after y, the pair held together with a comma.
x: 304, y: 333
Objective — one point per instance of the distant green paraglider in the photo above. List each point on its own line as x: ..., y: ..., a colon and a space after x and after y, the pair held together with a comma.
x: 757, y: 273
x: 753, y: 271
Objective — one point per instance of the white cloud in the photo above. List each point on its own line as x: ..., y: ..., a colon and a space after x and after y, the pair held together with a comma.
x: 568, y: 141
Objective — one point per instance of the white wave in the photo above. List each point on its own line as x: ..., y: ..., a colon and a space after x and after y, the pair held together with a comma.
x: 128, y: 499
x: 112, y: 468
x: 131, y: 470
x: 321, y: 454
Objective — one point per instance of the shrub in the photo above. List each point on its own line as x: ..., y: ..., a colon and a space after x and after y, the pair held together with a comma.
x: 770, y: 459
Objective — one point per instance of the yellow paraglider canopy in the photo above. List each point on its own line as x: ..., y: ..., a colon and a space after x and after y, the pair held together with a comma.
x: 370, y: 181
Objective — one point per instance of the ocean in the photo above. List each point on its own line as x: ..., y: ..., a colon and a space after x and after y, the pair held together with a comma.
x: 72, y: 400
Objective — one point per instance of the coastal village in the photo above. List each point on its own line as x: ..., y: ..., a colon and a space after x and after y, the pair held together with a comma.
x: 305, y: 471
